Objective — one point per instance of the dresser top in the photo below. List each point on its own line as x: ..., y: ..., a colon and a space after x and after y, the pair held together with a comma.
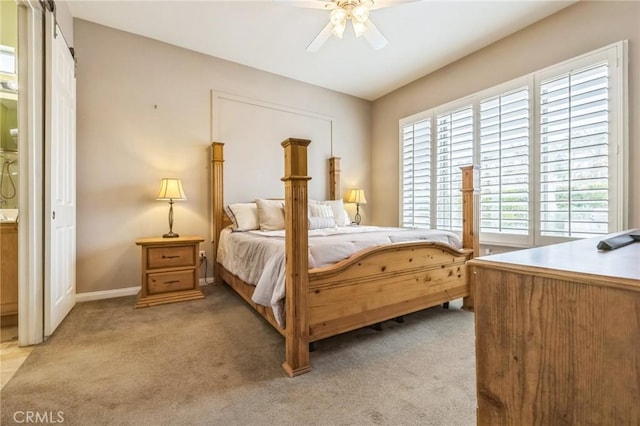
x: 574, y: 259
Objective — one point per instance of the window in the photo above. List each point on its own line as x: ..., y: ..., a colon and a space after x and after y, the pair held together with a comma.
x: 454, y: 141
x: 550, y: 147
x: 504, y: 160
x: 416, y: 174
x: 574, y: 153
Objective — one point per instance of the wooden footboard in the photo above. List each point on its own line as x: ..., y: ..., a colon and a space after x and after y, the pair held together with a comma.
x: 384, y: 282
x: 375, y: 285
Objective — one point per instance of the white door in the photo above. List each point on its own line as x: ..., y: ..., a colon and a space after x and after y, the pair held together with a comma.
x: 60, y: 182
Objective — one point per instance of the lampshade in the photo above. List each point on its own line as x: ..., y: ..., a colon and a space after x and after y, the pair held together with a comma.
x: 171, y: 189
x: 357, y: 196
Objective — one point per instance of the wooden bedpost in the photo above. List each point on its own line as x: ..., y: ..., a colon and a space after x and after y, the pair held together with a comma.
x: 470, y: 219
x: 297, y: 257
x: 334, y: 178
x: 217, y: 200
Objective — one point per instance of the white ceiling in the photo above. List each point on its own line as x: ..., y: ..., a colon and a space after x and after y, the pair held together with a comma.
x: 272, y: 36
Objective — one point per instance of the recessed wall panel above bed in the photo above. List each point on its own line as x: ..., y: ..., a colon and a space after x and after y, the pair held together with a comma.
x: 252, y: 131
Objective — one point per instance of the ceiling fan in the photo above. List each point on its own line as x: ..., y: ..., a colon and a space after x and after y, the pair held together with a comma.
x: 342, y: 11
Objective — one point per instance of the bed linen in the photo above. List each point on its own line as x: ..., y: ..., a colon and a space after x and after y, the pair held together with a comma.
x: 258, y: 257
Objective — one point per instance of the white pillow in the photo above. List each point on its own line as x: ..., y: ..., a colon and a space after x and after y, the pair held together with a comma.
x: 321, y: 216
x: 321, y: 210
x: 270, y: 214
x: 243, y: 215
x: 339, y: 213
x: 319, y: 222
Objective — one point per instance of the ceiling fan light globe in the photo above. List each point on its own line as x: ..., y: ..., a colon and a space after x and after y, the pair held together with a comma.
x: 360, y: 14
x: 338, y: 16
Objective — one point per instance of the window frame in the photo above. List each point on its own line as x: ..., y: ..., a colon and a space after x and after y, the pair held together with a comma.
x: 496, y: 238
x: 616, y: 56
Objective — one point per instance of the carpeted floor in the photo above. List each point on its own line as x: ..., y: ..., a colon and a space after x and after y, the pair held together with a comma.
x: 216, y: 362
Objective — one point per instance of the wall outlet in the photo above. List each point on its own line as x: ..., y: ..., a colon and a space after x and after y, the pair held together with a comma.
x: 203, y: 254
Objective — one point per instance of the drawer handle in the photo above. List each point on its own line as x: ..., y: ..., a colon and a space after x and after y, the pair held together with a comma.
x: 169, y: 257
x: 171, y: 282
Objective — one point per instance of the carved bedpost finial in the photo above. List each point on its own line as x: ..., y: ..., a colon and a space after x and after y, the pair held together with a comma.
x: 295, y: 158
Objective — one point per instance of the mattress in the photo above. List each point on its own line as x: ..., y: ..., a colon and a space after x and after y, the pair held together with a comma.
x: 258, y: 257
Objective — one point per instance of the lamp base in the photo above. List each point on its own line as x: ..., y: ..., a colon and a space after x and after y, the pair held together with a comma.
x: 171, y: 234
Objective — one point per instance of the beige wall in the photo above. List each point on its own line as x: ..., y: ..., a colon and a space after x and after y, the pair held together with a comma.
x: 578, y: 29
x: 143, y: 113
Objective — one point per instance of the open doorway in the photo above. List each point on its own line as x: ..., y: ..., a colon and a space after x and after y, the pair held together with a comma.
x: 39, y: 289
x: 12, y: 187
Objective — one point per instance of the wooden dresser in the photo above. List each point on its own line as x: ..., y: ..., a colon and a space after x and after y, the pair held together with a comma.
x: 169, y: 270
x: 558, y: 336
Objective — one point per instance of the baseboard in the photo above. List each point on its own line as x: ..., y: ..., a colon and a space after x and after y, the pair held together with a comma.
x: 106, y: 294
x: 118, y: 292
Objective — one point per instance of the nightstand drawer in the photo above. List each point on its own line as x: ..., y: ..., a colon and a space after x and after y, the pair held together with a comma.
x: 170, y: 257
x: 164, y: 282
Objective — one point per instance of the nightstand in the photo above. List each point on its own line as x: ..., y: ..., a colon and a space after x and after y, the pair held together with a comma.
x: 169, y: 270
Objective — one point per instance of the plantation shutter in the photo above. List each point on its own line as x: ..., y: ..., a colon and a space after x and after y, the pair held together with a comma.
x: 454, y: 144
x: 504, y: 163
x: 574, y: 153
x: 416, y: 174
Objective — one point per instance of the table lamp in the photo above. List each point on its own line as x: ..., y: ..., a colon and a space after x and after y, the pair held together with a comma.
x: 171, y: 189
x: 357, y: 196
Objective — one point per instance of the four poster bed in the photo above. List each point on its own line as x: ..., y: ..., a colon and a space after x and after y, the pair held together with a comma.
x: 373, y: 285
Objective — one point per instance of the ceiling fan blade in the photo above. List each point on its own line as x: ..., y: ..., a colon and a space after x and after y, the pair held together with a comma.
x: 310, y: 4
x: 322, y: 36
x: 374, y: 36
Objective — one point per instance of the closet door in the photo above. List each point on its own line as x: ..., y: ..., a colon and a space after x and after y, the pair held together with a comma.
x: 60, y: 182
